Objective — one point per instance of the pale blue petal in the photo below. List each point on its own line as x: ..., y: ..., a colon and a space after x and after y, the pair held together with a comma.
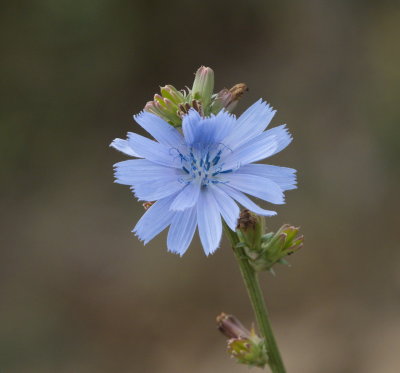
x: 219, y: 126
x: 227, y: 206
x: 155, y: 220
x: 154, y: 151
x: 209, y: 222
x: 283, y: 176
x: 207, y: 131
x: 158, y: 188
x: 124, y: 147
x: 250, y: 124
x: 190, y: 124
x: 187, y: 197
x: 138, y: 171
x: 182, y: 230
x: 256, y: 186
x: 163, y: 132
x: 262, y: 146
x: 245, y: 201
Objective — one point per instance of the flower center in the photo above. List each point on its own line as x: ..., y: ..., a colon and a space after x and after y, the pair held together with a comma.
x: 203, y: 165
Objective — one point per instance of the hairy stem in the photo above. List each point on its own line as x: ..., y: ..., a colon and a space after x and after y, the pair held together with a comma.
x: 257, y: 301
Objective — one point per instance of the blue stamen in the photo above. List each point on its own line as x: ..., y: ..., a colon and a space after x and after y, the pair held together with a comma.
x: 225, y: 172
x: 217, y: 158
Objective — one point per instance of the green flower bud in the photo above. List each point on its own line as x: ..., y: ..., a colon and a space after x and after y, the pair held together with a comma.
x: 276, y: 246
x: 284, y: 242
x: 264, y: 250
x: 203, y: 87
x: 250, y: 229
x: 173, y: 94
x: 243, y: 344
x: 172, y: 104
x: 166, y: 105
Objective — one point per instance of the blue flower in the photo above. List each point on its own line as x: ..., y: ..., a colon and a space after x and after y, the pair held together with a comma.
x: 201, y: 175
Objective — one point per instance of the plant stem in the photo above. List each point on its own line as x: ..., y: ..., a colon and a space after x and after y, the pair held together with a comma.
x: 257, y: 301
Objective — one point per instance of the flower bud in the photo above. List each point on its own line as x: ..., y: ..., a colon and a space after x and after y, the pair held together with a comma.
x: 228, y: 98
x: 203, y: 86
x: 285, y: 241
x: 173, y: 94
x: 248, y: 352
x: 166, y: 105
x: 276, y: 246
x: 231, y: 327
x: 244, y: 345
x: 264, y: 250
x: 250, y: 229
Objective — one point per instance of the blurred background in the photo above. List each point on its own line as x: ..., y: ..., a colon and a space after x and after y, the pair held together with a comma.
x: 79, y: 292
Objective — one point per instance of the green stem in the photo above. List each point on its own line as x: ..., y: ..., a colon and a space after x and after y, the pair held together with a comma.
x: 257, y: 301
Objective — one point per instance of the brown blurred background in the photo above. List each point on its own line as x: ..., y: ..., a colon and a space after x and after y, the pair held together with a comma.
x: 79, y: 293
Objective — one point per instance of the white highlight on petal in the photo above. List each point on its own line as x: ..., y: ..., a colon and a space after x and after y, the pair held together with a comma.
x: 124, y: 147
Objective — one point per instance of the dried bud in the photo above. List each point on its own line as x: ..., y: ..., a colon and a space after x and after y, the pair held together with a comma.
x: 231, y: 327
x: 237, y: 91
x: 250, y: 229
x: 244, y: 345
x: 203, y: 86
x: 147, y: 205
x: 228, y: 98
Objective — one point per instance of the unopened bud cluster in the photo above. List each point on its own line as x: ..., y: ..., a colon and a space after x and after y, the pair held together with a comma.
x: 266, y: 249
x: 172, y: 104
x: 244, y: 345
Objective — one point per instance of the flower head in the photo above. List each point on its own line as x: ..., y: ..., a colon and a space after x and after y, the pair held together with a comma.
x: 243, y: 344
x: 200, y: 175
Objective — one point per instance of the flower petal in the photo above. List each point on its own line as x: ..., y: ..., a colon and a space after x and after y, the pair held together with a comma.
x: 256, y: 186
x: 250, y: 124
x: 245, y: 201
x: 124, y: 147
x: 157, y: 189
x: 137, y: 171
x: 155, y: 220
x: 283, y: 176
x: 227, y: 206
x: 209, y: 222
x: 153, y: 151
x: 187, y: 197
x: 182, y: 230
x: 190, y: 126
x: 211, y: 130
x: 262, y: 146
x: 163, y: 132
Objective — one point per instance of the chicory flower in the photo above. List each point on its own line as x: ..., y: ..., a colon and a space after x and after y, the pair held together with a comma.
x: 199, y: 176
